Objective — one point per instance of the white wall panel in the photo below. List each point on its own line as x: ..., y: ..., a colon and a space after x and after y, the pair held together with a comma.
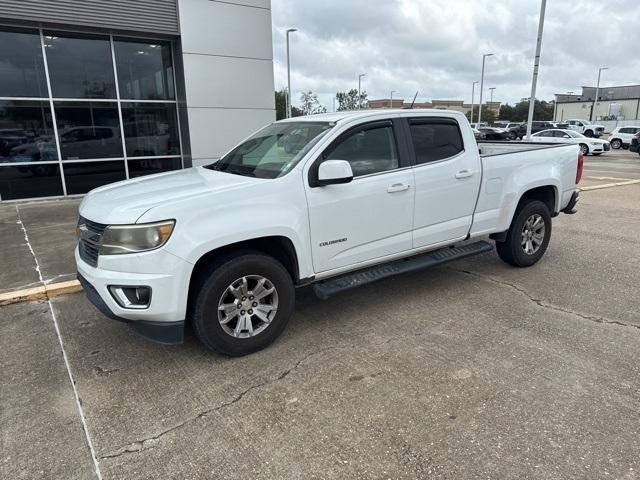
x: 214, y: 131
x: 228, y: 29
x: 228, y: 82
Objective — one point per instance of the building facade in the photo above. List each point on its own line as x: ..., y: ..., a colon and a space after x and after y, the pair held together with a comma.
x: 618, y: 105
x: 93, y: 92
x: 456, y: 105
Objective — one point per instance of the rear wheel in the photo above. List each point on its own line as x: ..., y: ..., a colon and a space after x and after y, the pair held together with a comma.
x: 584, y: 149
x: 528, y: 236
x: 242, y: 303
x: 616, y: 143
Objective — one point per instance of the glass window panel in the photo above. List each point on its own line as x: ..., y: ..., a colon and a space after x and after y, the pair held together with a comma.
x: 81, y: 177
x: 21, y: 65
x: 26, y: 132
x: 79, y: 66
x: 88, y: 130
x: 145, y: 70
x: 150, y: 129
x: 435, y: 141
x: 368, y: 151
x: 148, y: 166
x: 30, y: 181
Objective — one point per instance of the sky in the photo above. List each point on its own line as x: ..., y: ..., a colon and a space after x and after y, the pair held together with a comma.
x: 436, y: 46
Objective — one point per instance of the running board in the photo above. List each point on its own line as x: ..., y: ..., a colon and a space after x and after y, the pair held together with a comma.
x: 324, y: 289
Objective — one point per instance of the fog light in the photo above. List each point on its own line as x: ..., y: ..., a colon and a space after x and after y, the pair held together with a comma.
x: 131, y: 297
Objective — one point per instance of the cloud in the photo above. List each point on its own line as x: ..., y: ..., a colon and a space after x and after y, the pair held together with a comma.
x: 436, y: 46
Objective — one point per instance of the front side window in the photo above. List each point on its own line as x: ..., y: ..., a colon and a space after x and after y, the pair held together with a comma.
x: 273, y: 151
x: 372, y: 150
x: 435, y: 140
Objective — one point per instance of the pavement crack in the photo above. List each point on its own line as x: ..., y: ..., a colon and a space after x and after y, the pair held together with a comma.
x: 150, y: 442
x: 549, y: 306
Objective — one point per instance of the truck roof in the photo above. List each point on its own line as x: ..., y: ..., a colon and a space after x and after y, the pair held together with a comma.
x: 355, y: 114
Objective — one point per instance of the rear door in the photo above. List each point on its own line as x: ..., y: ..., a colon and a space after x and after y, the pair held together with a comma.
x: 447, y: 175
x: 371, y: 216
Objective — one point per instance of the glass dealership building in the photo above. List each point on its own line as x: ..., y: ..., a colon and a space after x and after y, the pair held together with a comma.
x: 94, y: 92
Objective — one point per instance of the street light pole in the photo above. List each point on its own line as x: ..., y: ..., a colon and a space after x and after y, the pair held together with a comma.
x: 484, y: 57
x: 391, y: 101
x: 289, y: 31
x: 597, y: 91
x: 360, y: 90
x: 473, y: 99
x: 536, y: 64
x: 491, y: 101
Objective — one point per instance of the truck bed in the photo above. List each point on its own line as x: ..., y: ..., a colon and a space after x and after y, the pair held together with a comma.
x: 488, y: 149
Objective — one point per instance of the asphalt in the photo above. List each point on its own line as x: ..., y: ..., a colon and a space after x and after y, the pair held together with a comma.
x: 469, y: 370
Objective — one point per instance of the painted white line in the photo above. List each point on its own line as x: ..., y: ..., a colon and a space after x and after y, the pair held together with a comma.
x: 610, y: 178
x: 609, y: 185
x: 85, y: 427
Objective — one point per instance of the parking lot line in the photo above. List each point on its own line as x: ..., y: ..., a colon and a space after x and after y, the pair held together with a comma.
x: 85, y: 427
x: 609, y: 185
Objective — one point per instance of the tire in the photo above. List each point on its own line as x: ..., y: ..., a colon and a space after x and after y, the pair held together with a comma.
x: 584, y: 149
x: 213, y: 287
x: 616, y: 143
x: 588, y: 133
x: 512, y: 250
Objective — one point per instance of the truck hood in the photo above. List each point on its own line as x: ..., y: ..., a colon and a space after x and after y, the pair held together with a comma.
x: 125, y: 202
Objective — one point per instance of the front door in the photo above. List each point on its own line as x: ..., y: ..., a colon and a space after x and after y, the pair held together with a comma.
x: 447, y: 179
x: 371, y: 216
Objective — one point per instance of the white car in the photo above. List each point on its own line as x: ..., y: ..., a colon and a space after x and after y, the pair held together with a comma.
x: 333, y: 200
x: 585, y: 127
x: 621, y: 136
x: 587, y: 145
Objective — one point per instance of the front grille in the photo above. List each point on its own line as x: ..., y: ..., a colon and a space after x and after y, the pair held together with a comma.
x: 90, y: 234
x: 607, y: 147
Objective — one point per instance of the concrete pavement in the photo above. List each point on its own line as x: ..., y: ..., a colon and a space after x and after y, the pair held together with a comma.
x: 471, y: 370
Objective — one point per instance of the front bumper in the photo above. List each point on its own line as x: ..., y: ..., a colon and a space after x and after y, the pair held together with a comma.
x: 163, y: 319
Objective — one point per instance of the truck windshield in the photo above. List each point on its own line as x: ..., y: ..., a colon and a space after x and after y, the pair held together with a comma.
x: 274, y: 150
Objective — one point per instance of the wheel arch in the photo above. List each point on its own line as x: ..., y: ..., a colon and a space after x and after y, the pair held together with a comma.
x: 547, y: 194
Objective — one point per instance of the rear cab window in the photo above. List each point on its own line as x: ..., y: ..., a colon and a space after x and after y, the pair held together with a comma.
x: 435, y: 139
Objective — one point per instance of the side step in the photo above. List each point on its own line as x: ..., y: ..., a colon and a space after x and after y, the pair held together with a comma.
x: 324, y: 289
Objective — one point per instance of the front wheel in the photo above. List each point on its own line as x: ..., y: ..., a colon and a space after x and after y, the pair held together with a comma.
x: 616, y: 144
x: 242, y: 303
x: 528, y: 236
x: 588, y: 133
x: 584, y: 149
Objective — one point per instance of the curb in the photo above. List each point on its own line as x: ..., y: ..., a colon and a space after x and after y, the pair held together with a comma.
x: 40, y: 293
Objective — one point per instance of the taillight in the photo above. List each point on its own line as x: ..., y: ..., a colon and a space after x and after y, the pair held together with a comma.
x: 580, y: 167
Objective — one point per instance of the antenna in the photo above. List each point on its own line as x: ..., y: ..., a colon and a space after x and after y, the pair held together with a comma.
x: 414, y: 99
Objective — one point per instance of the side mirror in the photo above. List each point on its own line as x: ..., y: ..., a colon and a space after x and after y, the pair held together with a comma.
x: 332, y: 172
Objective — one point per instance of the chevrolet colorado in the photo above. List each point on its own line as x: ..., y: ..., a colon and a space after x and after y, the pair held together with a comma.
x: 334, y: 200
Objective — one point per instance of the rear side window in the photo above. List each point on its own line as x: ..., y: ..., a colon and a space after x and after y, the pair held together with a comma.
x: 435, y: 139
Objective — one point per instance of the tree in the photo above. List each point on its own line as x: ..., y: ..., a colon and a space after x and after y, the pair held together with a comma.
x: 349, y: 100
x: 520, y: 111
x: 311, y: 104
x: 488, y: 115
x: 281, y: 106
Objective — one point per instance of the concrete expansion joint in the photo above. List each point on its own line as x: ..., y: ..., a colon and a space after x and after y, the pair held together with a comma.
x: 150, y: 442
x: 549, y: 306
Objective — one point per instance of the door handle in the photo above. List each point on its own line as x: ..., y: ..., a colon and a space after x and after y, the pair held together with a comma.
x: 464, y: 174
x: 398, y: 187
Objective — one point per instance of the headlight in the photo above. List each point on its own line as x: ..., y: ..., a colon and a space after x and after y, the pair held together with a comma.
x: 120, y: 239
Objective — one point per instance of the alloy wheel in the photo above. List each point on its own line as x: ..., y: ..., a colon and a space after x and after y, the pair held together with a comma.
x: 532, y: 235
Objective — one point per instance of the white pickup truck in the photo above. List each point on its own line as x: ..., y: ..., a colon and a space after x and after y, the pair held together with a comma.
x: 335, y: 200
x: 585, y: 127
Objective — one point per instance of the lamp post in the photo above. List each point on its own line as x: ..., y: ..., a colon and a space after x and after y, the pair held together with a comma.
x: 484, y: 57
x: 491, y: 101
x: 597, y: 91
x: 360, y: 89
x: 289, y: 31
x: 536, y: 64
x: 473, y: 98
x: 391, y: 101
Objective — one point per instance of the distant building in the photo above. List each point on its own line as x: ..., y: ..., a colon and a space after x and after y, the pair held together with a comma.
x: 456, y: 105
x: 613, y: 103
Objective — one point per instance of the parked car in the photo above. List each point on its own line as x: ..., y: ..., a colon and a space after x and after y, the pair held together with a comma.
x: 634, y: 146
x: 585, y: 127
x: 520, y: 131
x: 587, y: 145
x: 621, y: 136
x: 491, y: 133
x: 370, y: 195
x: 478, y: 134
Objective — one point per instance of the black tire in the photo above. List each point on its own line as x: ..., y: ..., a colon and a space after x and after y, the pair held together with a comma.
x: 213, y: 282
x: 584, y: 149
x: 588, y: 133
x: 616, y: 143
x: 511, y: 250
